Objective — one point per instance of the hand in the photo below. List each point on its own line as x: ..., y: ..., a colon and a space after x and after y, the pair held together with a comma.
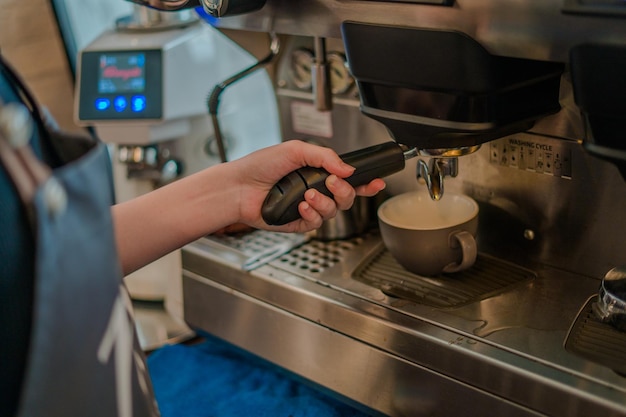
x: 153, y: 224
x: 259, y: 171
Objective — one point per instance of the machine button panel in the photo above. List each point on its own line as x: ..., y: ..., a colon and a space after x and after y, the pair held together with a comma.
x: 120, y: 85
x: 529, y: 153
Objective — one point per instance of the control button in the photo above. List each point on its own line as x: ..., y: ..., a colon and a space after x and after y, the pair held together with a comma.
x: 340, y: 78
x: 300, y: 64
x: 120, y: 103
x: 102, y: 104
x: 138, y: 103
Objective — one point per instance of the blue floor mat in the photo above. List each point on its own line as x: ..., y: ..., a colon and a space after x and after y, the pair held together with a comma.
x: 216, y: 379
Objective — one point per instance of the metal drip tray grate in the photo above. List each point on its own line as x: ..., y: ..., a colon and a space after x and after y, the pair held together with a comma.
x: 597, y: 341
x: 487, y: 277
x: 310, y: 258
x: 252, y: 243
x: 316, y: 257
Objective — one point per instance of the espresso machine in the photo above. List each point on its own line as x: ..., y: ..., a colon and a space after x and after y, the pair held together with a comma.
x: 516, y: 104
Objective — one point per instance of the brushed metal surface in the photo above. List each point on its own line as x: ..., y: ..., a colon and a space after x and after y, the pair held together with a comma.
x: 535, y: 29
x: 366, y: 377
x: 509, y: 347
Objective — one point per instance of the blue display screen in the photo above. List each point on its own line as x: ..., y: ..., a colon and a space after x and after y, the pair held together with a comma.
x: 121, y: 85
x: 122, y: 72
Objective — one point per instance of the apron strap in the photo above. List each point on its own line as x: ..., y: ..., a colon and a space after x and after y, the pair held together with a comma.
x: 21, y: 164
x: 16, y: 128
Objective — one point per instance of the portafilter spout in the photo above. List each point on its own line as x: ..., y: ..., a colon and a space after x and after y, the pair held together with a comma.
x: 444, y: 162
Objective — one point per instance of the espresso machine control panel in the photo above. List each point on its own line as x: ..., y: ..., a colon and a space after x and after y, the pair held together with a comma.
x: 119, y: 85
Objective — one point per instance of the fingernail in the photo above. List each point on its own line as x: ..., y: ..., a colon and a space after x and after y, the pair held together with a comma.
x: 310, y: 195
x: 348, y: 166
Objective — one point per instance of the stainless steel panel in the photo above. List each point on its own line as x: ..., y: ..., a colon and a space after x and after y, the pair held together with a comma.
x: 364, y: 376
x: 510, y: 345
x: 535, y: 29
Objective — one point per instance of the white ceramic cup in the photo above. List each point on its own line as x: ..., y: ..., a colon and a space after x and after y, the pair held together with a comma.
x: 430, y: 237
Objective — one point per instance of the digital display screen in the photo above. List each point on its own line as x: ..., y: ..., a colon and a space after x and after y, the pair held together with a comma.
x: 122, y: 72
x: 121, y: 85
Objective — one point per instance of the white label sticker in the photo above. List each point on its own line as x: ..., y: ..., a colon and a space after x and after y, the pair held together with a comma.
x: 544, y: 157
x: 306, y: 119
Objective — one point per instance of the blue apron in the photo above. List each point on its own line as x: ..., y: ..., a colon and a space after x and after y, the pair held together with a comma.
x: 83, y: 357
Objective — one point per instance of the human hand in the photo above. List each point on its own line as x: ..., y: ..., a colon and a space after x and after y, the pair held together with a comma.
x: 259, y: 171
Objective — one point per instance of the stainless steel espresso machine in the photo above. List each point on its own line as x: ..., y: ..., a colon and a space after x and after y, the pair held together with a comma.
x: 519, y: 104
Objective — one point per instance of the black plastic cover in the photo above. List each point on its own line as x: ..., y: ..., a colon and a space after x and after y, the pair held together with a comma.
x: 441, y: 89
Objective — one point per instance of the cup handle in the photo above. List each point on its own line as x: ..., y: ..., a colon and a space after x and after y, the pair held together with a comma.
x: 468, y: 247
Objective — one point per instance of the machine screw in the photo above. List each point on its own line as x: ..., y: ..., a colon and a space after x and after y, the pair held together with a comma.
x: 529, y: 234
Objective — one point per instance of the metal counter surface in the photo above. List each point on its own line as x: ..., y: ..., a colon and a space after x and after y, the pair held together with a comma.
x: 503, y: 354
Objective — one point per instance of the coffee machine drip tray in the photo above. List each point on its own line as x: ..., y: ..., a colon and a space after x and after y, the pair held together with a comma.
x: 597, y: 341
x: 486, y: 278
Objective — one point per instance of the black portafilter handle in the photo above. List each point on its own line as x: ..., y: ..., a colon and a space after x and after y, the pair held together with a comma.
x: 281, y: 204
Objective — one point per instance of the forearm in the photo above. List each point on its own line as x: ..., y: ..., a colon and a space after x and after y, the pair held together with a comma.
x: 166, y: 219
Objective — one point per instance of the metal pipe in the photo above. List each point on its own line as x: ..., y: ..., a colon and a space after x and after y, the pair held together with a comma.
x: 320, y: 72
x: 214, y: 99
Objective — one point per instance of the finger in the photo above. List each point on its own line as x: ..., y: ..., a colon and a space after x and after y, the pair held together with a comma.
x: 316, y: 156
x: 338, y: 167
x: 371, y: 189
x: 325, y: 206
x: 343, y: 193
x: 311, y: 218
